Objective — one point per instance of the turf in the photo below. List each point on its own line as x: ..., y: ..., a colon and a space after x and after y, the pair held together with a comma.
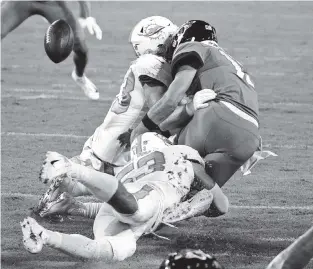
x: 41, y: 104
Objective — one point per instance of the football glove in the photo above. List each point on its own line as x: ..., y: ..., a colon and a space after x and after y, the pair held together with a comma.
x: 91, y: 25
x: 124, y: 138
x: 54, y: 165
x: 200, y: 100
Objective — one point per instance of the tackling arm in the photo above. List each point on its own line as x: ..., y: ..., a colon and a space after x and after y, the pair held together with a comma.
x: 85, y: 9
x: 168, y: 103
x: 220, y: 202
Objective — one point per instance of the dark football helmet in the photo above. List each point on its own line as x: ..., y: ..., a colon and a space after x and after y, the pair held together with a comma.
x: 194, y: 30
x: 190, y: 259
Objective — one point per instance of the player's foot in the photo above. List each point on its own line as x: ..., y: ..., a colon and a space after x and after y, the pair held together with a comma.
x: 193, y: 207
x: 53, y: 192
x: 32, y: 233
x: 86, y: 85
x: 62, y: 205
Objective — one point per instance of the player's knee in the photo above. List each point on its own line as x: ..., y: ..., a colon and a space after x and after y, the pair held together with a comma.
x: 123, y: 245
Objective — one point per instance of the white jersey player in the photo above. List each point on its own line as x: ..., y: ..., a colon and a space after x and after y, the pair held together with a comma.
x: 158, y: 177
x: 145, y: 82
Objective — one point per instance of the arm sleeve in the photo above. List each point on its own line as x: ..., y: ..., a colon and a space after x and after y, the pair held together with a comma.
x: 190, y: 53
x: 85, y: 9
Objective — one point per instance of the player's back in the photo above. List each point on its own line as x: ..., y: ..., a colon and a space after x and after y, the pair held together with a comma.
x: 150, y: 154
x: 220, y: 72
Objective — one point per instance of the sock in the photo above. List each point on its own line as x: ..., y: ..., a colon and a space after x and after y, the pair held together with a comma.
x: 101, y: 185
x: 89, y: 210
x: 80, y: 60
x: 79, y: 245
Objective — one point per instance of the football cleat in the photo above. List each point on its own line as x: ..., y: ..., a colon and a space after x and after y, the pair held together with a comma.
x: 55, y: 165
x: 59, y: 206
x: 32, y: 232
x: 50, y: 195
x: 195, y: 206
x: 87, y: 86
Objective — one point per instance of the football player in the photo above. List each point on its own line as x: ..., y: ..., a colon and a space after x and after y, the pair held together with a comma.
x: 13, y: 13
x: 227, y: 130
x: 296, y: 256
x: 158, y: 176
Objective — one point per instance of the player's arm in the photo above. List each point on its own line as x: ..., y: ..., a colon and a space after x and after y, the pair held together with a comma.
x: 153, y: 90
x: 170, y: 100
x: 85, y: 9
x: 297, y: 255
x: 87, y: 21
x: 220, y: 202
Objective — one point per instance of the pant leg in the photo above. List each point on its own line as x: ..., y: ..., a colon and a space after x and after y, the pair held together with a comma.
x: 13, y: 13
x: 225, y: 140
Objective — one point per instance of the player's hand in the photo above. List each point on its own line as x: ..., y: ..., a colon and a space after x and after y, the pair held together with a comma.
x: 140, y: 129
x: 200, y: 100
x: 92, y: 26
x: 124, y: 138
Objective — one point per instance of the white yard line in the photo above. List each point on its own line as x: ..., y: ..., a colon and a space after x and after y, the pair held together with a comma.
x: 285, y: 146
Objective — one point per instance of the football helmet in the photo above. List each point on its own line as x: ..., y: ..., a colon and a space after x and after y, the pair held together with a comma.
x: 193, y: 30
x: 150, y: 33
x: 147, y: 142
x: 190, y: 259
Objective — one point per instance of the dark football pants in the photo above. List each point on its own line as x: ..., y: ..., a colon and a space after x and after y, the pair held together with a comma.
x: 225, y: 140
x: 13, y: 13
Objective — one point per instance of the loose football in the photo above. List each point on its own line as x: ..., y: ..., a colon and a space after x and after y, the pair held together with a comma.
x: 59, y: 41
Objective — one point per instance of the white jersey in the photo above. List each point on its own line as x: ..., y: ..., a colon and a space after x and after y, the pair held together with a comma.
x: 153, y: 156
x: 128, y: 108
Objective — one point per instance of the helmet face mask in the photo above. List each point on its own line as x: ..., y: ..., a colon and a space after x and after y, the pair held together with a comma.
x: 150, y: 33
x: 190, y: 258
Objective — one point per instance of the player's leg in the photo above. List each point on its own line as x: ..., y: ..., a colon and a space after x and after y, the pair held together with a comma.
x: 225, y: 140
x: 107, y: 248
x: 56, y: 10
x: 13, y: 13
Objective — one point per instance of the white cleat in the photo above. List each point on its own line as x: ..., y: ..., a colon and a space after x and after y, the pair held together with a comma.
x: 195, y: 206
x: 60, y: 206
x: 86, y: 85
x: 32, y: 232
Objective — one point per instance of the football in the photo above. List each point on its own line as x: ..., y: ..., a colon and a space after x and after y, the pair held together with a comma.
x: 59, y: 41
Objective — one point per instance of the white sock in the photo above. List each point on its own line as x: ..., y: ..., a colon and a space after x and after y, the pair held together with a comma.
x: 101, y: 185
x: 79, y: 245
x: 89, y: 210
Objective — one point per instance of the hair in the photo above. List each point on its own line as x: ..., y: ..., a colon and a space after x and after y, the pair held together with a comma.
x: 166, y: 50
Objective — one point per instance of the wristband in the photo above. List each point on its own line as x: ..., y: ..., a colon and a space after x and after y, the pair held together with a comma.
x: 149, y: 124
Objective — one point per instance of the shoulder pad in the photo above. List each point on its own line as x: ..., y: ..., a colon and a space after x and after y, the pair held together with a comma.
x: 153, y: 66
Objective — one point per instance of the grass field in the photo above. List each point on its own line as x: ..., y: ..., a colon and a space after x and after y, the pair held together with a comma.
x: 43, y: 110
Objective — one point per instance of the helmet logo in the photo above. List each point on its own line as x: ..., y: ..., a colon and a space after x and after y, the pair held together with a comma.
x: 152, y: 31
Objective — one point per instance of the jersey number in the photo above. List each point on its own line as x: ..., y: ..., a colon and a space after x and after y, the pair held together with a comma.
x: 154, y: 161
x: 240, y: 73
x: 122, y: 101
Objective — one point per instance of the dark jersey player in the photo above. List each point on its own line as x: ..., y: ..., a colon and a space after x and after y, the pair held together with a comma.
x: 13, y: 13
x: 226, y: 132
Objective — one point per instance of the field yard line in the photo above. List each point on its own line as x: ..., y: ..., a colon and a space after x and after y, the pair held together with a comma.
x: 44, y: 135
x: 51, y: 96
x: 309, y: 208
x: 286, y: 146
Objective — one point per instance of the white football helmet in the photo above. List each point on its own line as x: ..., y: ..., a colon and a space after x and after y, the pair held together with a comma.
x: 149, y: 33
x: 147, y: 142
